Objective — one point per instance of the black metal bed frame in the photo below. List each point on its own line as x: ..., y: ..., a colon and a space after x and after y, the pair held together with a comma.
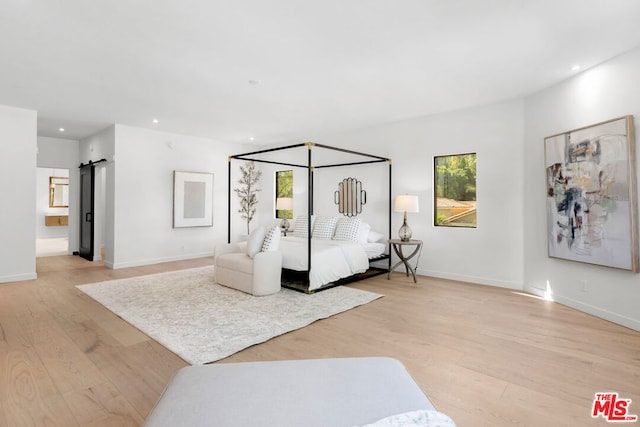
x: 310, y: 171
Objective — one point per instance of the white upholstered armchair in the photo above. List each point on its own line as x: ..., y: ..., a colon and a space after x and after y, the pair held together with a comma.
x: 240, y: 266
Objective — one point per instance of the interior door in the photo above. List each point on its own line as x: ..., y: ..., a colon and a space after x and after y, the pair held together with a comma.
x: 87, y: 202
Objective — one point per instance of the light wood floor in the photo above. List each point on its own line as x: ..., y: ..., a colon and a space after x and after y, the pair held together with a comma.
x: 485, y: 356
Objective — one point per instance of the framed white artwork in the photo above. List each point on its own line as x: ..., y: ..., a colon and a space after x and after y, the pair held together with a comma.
x: 591, y: 195
x: 192, y: 199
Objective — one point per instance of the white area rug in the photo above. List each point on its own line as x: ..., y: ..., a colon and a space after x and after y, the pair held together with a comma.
x: 202, y: 322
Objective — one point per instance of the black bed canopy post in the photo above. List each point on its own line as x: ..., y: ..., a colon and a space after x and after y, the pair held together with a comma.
x: 309, y: 210
x: 389, y: 215
x: 229, y: 201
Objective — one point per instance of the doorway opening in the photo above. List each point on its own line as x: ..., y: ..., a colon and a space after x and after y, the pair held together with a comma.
x: 52, y: 212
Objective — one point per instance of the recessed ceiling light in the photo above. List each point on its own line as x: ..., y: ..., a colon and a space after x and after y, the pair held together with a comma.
x: 61, y: 129
x: 251, y: 138
x: 575, y: 67
x: 155, y: 120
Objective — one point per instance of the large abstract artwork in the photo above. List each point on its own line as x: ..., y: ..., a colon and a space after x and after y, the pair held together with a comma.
x: 192, y: 199
x: 591, y: 195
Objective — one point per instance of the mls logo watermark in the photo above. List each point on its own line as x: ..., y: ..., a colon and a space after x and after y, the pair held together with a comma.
x: 613, y: 409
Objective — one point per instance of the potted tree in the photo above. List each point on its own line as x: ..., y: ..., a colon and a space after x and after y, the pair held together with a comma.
x: 247, y: 191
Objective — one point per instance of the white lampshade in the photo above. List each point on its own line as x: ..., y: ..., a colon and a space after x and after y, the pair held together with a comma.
x: 406, y: 203
x: 284, y: 203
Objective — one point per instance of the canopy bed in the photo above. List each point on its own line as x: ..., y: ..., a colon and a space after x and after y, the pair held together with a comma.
x: 313, y: 261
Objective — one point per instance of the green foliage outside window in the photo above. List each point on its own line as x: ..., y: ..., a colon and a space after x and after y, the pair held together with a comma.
x: 455, y: 190
x: 284, y: 188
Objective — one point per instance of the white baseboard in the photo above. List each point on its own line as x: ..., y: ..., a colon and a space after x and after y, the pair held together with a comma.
x: 560, y: 299
x: 137, y: 263
x: 588, y: 308
x: 18, y: 277
x: 471, y: 279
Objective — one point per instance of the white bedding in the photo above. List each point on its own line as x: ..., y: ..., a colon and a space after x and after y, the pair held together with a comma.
x: 419, y: 418
x: 374, y: 249
x: 331, y: 260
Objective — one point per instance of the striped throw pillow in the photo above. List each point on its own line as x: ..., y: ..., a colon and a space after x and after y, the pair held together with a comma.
x: 271, y: 240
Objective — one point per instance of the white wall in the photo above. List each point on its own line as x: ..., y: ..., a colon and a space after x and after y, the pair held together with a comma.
x: 100, y: 210
x: 93, y: 149
x: 62, y: 153
x: 265, y: 212
x: 604, y: 92
x: 375, y: 179
x: 493, y: 252
x: 264, y: 215
x: 18, y: 147
x: 143, y: 195
x: 325, y: 180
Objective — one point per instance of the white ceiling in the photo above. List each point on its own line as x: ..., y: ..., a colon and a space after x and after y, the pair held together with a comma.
x: 322, y: 66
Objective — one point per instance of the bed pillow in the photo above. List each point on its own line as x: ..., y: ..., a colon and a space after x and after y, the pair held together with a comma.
x: 254, y: 243
x: 347, y: 229
x: 363, y: 232
x: 271, y: 240
x: 300, y: 226
x: 324, y: 226
x: 374, y: 236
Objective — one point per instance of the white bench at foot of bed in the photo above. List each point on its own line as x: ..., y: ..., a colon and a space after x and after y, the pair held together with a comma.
x: 318, y: 392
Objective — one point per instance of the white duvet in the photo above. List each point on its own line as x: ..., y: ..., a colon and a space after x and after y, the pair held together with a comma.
x: 331, y: 260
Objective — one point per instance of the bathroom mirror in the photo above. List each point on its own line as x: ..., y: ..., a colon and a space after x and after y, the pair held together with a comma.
x: 58, y: 192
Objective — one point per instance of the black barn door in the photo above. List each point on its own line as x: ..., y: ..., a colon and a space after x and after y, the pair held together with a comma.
x: 87, y: 199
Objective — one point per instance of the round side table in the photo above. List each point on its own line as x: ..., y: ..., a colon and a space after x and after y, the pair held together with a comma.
x: 397, y: 247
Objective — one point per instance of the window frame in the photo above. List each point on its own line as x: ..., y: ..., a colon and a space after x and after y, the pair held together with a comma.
x: 278, y: 214
x: 461, y: 207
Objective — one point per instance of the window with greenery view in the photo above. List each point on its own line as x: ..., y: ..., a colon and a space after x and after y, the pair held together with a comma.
x: 455, y: 190
x: 284, y: 188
